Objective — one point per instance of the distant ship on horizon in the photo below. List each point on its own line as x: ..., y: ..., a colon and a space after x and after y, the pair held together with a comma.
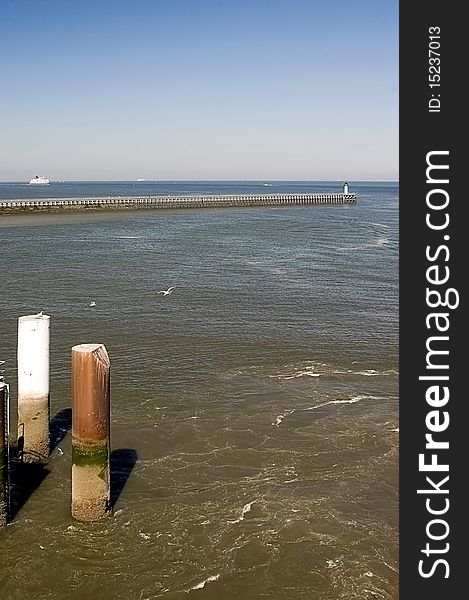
x: 39, y: 181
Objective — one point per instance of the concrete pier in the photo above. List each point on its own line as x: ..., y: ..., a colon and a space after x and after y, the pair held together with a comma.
x: 33, y: 387
x: 172, y: 202
x: 90, y: 432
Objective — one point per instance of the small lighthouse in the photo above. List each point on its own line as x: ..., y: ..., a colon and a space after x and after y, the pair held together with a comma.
x: 346, y: 187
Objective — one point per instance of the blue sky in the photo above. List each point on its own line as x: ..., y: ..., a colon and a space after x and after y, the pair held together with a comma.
x: 201, y: 89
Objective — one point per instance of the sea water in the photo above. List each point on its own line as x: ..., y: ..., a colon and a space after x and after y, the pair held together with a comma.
x: 254, y: 409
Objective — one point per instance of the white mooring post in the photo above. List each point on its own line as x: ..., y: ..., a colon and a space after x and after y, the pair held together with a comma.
x: 33, y: 387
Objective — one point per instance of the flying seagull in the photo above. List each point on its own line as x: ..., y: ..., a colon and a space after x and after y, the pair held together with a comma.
x: 167, y: 292
x: 92, y: 303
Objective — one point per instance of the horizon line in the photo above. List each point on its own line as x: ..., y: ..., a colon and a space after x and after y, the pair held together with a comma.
x: 146, y: 180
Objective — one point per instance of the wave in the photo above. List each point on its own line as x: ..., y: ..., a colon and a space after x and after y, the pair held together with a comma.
x: 381, y: 241
x: 326, y: 370
x: 353, y: 400
x: 203, y: 583
x: 308, y: 371
x: 375, y: 224
x: 372, y: 372
x: 350, y: 401
x: 246, y: 508
x: 279, y: 418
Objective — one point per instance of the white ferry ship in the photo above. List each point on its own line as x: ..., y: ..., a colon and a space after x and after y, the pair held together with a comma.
x: 39, y: 181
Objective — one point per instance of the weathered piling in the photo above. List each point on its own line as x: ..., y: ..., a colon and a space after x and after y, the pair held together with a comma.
x: 33, y: 387
x: 90, y: 432
x: 3, y: 454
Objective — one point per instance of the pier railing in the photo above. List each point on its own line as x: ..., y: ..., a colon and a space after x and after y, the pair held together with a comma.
x: 206, y: 201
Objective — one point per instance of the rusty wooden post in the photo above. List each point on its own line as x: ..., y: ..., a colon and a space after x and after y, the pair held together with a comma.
x: 90, y: 432
x: 3, y: 454
x: 33, y: 387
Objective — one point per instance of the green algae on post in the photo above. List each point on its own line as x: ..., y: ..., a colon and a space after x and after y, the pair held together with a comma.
x: 89, y: 454
x: 90, y: 432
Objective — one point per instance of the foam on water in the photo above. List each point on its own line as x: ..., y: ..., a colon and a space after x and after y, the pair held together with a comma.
x: 203, y: 583
x: 318, y: 369
x: 246, y: 508
x: 381, y: 241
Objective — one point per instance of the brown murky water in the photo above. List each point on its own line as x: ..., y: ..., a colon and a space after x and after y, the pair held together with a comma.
x: 254, y: 410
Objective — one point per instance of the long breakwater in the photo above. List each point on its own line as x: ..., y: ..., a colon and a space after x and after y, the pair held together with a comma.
x: 172, y: 202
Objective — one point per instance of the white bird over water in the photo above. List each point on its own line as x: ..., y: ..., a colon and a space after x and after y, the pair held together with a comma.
x: 92, y: 303
x: 167, y: 292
